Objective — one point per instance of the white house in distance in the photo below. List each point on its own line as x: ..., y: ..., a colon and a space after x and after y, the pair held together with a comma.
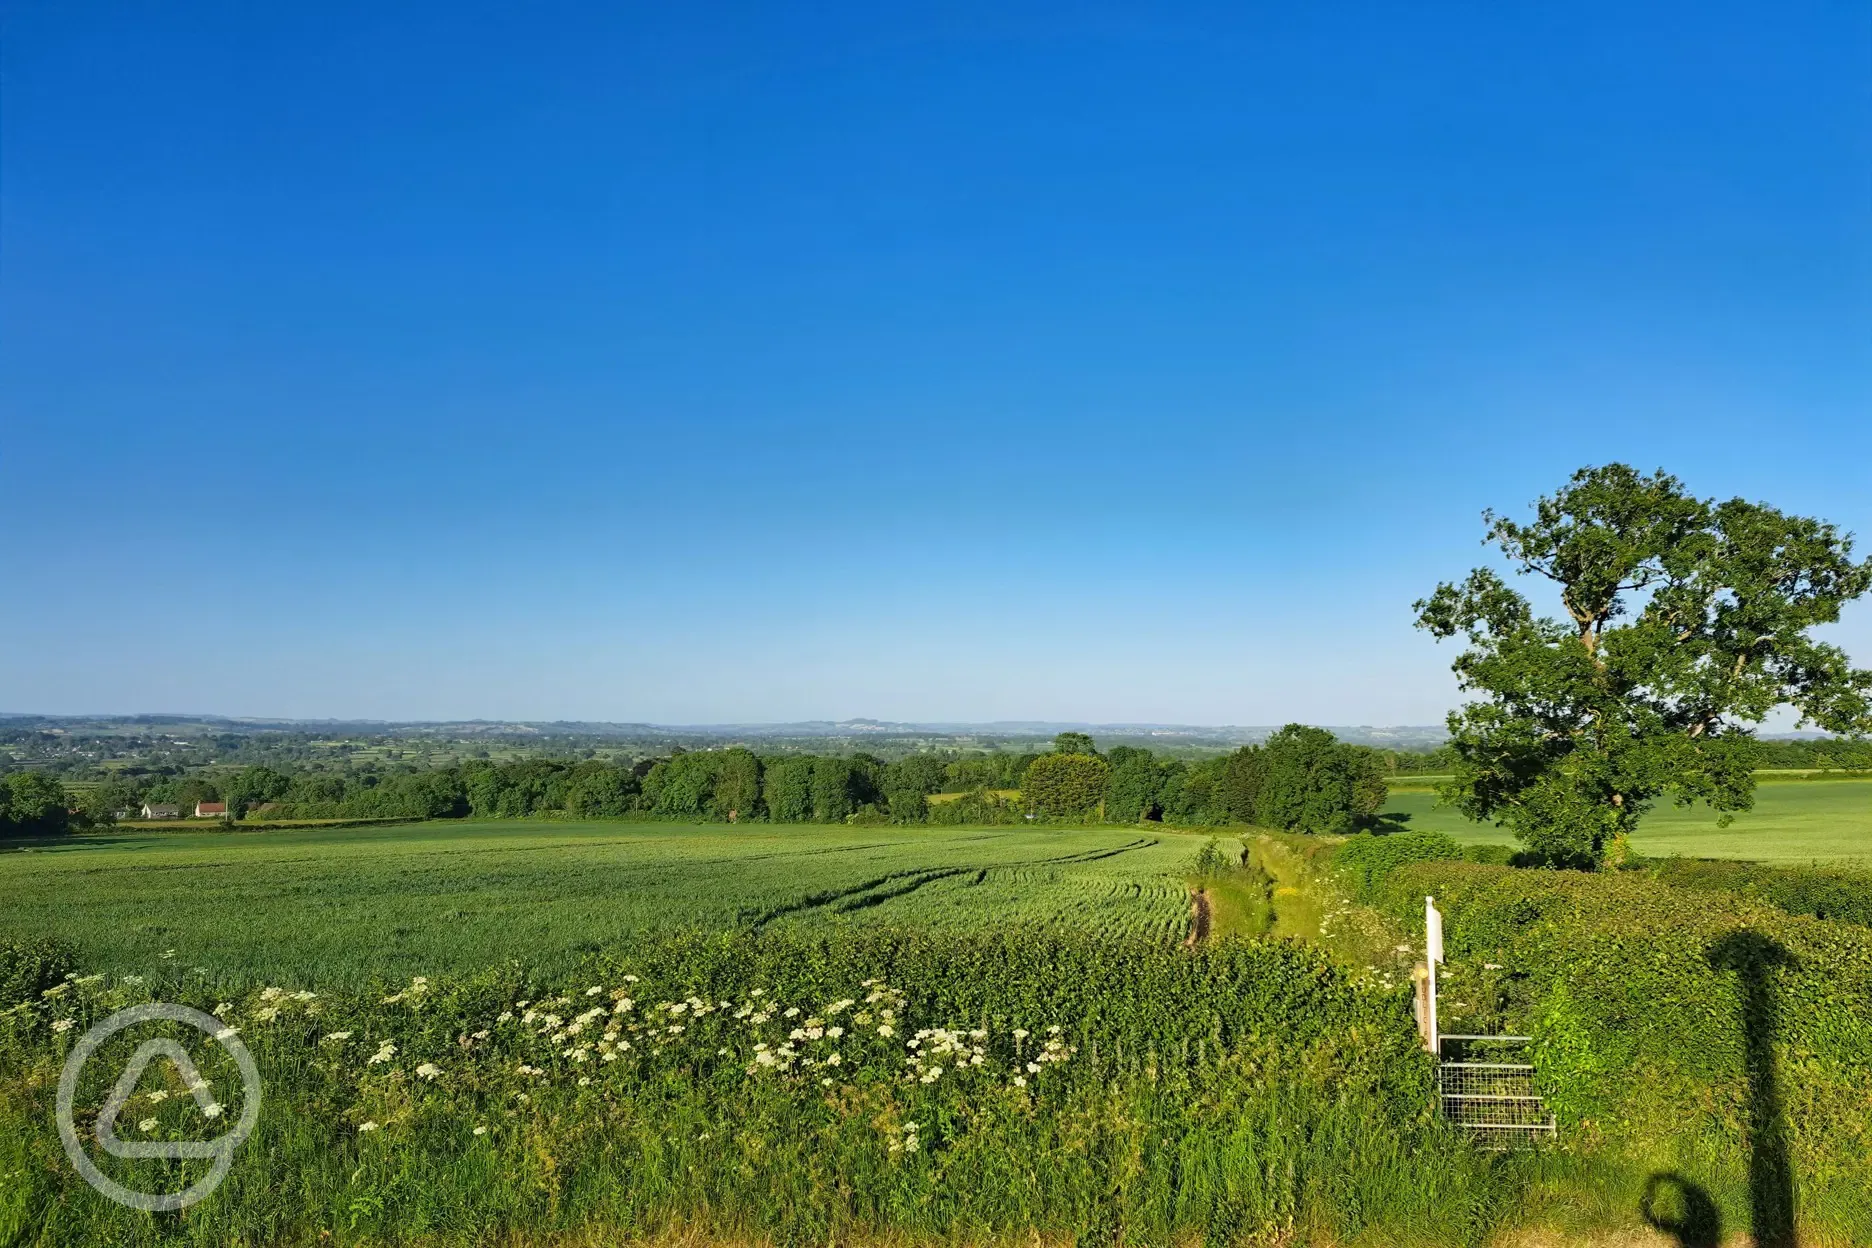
x: 211, y: 810
x: 161, y: 811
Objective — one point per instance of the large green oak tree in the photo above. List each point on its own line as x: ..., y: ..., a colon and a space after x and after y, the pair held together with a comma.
x: 1686, y: 621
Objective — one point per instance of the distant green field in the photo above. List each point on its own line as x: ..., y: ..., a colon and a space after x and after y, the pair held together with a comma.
x: 331, y: 906
x: 1795, y: 821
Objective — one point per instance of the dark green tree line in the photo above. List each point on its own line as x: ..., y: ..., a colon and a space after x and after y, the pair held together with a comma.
x: 1301, y: 779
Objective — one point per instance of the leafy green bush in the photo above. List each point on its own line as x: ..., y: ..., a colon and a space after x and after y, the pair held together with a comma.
x: 1823, y: 892
x: 1676, y: 1024
x: 1312, y: 782
x: 29, y: 967
x: 1366, y: 859
x: 1210, y: 860
x: 1065, y: 786
x: 979, y: 807
x: 33, y: 804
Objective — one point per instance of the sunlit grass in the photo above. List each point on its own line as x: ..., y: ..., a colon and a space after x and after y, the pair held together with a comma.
x: 335, y: 906
x: 1793, y: 821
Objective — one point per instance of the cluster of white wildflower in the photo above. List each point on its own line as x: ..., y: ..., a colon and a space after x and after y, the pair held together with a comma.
x: 936, y: 1049
x: 906, y: 1141
x: 881, y: 1004
x: 1340, y: 910
x: 273, y: 1001
x: 599, y: 1032
x: 818, y: 1031
x: 413, y: 995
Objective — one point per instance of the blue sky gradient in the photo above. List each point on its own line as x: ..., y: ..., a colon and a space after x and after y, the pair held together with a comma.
x: 703, y: 363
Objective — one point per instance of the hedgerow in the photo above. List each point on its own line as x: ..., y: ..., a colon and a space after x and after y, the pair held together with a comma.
x: 1366, y: 859
x: 1823, y: 892
x: 1662, y: 1015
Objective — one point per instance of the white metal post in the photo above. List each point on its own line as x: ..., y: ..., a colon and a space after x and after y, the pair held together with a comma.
x: 1433, y: 954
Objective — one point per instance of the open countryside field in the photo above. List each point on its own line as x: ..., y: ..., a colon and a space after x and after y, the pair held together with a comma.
x: 1793, y: 821
x: 323, y: 907
x: 492, y: 1032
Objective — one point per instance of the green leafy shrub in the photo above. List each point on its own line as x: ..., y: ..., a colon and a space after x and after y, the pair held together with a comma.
x: 33, y: 804
x: 978, y: 807
x: 1312, y: 782
x: 1664, y: 1016
x: 1065, y: 786
x: 1210, y: 860
x: 29, y: 967
x: 1366, y: 859
x: 1822, y: 892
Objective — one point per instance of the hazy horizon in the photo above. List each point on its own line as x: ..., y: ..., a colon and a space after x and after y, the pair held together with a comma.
x: 1777, y: 726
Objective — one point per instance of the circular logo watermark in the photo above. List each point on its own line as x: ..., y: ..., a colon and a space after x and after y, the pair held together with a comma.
x: 221, y: 1149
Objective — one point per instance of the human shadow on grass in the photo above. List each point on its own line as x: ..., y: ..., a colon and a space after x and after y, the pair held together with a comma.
x: 1754, y: 958
x: 1680, y: 1208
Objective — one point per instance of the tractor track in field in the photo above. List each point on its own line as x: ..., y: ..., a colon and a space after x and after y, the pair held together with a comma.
x: 895, y: 884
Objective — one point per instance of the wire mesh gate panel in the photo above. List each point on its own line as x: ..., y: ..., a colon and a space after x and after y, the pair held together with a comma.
x: 1486, y: 1085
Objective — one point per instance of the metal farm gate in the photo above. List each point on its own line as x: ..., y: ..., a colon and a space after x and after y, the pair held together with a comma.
x: 1485, y: 1084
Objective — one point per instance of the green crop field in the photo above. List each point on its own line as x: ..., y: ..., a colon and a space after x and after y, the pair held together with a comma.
x: 613, y: 1032
x: 1793, y: 821
x: 526, y: 1032
x: 336, y: 906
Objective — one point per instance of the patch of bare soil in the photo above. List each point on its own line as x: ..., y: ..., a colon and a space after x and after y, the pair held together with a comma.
x: 1201, y: 915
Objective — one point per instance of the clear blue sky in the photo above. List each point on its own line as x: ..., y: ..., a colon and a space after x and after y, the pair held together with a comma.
x: 693, y: 363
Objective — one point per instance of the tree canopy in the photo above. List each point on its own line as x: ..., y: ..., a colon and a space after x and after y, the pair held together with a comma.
x: 1124, y: 785
x: 1065, y: 784
x: 1685, y: 621
x: 32, y: 804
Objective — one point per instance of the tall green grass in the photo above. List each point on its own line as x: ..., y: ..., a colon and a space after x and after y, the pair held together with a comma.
x: 1104, y: 1091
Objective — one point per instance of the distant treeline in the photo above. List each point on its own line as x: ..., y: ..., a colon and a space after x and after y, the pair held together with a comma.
x: 1303, y: 779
